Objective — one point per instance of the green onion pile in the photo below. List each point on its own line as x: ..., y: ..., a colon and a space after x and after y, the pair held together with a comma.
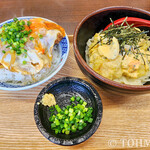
x: 72, y: 117
x: 15, y: 36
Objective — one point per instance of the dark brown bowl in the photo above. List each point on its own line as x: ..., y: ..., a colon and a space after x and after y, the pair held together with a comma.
x: 92, y: 24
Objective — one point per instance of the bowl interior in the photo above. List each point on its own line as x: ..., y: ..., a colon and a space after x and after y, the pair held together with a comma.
x: 63, y: 89
x: 98, y: 20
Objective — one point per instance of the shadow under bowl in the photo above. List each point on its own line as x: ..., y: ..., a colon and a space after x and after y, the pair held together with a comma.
x: 93, y: 23
x: 63, y: 89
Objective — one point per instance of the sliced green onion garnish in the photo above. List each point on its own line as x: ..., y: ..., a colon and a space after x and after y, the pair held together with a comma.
x: 40, y: 36
x: 72, y: 117
x: 31, y: 38
x: 15, y: 35
x: 52, y: 109
x: 28, y: 23
x: 3, y: 51
x: 24, y: 62
x: 15, y: 19
x: 72, y: 98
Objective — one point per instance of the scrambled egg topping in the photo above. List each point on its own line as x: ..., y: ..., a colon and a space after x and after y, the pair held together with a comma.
x: 107, y: 60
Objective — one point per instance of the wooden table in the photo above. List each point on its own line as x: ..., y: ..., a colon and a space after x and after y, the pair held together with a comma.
x: 126, y: 119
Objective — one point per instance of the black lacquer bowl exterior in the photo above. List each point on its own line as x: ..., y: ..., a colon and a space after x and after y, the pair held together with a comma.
x: 92, y: 24
x: 63, y: 89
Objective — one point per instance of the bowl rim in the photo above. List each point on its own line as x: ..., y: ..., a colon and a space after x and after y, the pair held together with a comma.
x: 88, y: 134
x: 88, y: 68
x: 52, y: 74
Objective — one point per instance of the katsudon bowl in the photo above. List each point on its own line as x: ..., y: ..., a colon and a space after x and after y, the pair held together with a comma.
x: 94, y: 23
x: 59, y: 56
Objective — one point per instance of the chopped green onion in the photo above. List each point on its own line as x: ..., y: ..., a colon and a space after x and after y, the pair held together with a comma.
x: 24, y: 62
x: 80, y: 127
x: 90, y: 120
x: 58, y: 108
x: 28, y: 23
x: 70, y: 110
x: 81, y: 101
x: 53, y: 125
x: 21, y: 45
x: 78, y: 98
x: 25, y: 56
x: 52, y: 118
x: 57, y: 122
x: 84, y: 124
x: 40, y: 36
x: 66, y: 111
x: 30, y: 31
x: 22, y: 23
x: 72, y: 117
x: 52, y: 109
x: 72, y: 98
x: 31, y: 38
x: 25, y: 39
x: 25, y: 50
x: 3, y: 43
x: 84, y: 103
x: 15, y: 19
x: 7, y: 46
x: 12, y: 51
x: 67, y: 132
x: 73, y: 128
x: 73, y: 104
x: 3, y: 51
x: 15, y: 35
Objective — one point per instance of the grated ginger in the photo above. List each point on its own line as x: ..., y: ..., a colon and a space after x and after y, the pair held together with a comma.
x: 48, y: 100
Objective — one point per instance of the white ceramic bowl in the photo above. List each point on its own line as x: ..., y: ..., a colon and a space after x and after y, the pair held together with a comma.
x: 64, y: 51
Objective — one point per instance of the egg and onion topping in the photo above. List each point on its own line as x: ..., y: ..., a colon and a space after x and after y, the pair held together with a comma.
x: 121, y: 53
x: 26, y: 45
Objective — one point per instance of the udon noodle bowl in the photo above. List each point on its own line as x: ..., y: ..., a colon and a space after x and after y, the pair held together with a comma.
x: 121, y: 53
